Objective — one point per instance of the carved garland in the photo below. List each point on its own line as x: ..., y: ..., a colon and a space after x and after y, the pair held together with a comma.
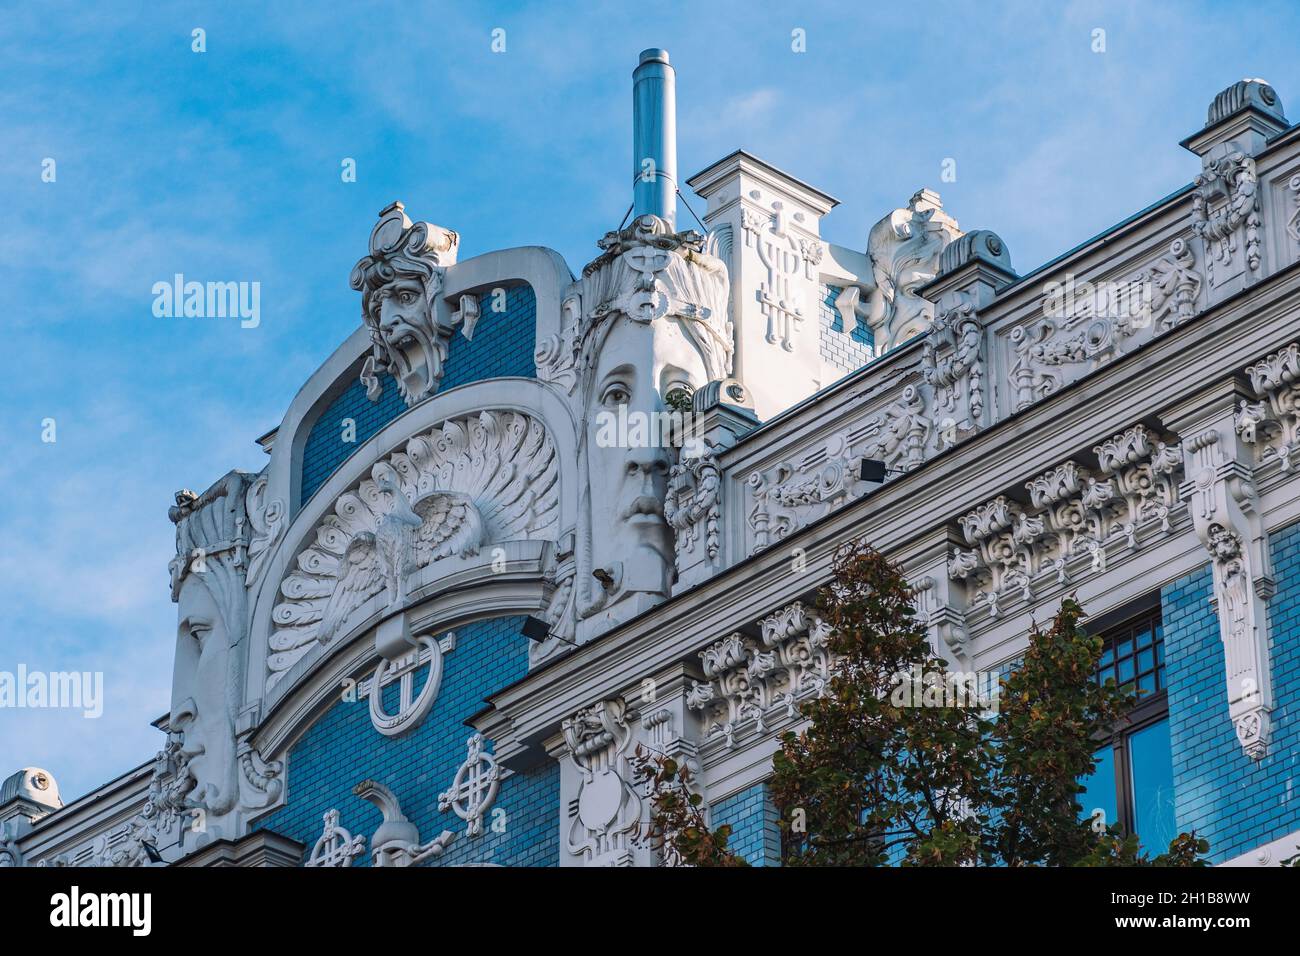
x: 1075, y: 518
x: 692, y: 504
x: 1232, y: 182
x: 752, y: 683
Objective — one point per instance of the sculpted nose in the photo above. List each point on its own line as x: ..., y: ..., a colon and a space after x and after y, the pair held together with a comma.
x: 648, y: 462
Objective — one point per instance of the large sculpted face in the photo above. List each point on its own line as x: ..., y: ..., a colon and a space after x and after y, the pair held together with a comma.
x: 200, y: 709
x: 639, y: 365
x: 399, y: 282
x: 407, y: 335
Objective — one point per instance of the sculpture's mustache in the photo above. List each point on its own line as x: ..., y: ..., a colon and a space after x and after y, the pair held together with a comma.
x: 644, y: 505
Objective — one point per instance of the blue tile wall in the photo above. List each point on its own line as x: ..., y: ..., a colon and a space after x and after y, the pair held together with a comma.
x: 846, y: 352
x: 503, y: 344
x: 325, y: 448
x: 1233, y: 802
x: 342, y: 748
x: 755, y: 834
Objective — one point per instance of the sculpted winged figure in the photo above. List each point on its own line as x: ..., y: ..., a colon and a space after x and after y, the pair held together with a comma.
x: 440, y: 524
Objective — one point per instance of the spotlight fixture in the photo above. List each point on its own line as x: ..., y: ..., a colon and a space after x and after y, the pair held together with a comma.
x: 604, y: 577
x: 872, y: 469
x: 151, y: 851
x: 537, y: 631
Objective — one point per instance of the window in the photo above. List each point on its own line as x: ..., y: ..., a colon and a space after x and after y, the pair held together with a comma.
x: 1133, y: 784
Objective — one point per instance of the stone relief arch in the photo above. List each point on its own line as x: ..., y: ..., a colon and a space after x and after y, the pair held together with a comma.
x: 499, y: 451
x: 541, y: 268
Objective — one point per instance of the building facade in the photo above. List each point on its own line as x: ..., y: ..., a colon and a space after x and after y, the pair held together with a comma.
x: 484, y: 562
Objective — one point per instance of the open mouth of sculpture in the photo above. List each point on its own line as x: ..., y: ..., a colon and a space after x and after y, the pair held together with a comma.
x: 407, y: 350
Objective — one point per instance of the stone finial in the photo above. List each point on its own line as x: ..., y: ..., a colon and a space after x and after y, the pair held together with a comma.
x: 32, y: 785
x: 1246, y: 94
x: 1241, y: 119
x: 981, y: 244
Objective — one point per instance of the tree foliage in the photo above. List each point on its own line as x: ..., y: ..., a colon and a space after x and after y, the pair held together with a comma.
x: 678, y: 830
x: 873, y: 779
x: 868, y: 781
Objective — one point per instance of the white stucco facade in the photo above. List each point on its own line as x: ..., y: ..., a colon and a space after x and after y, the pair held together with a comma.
x: 1105, y: 426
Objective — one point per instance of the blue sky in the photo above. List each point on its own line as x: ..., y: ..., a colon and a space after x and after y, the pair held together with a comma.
x: 225, y: 166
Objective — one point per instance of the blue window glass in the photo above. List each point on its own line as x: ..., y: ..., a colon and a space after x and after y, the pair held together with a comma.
x: 1099, y: 788
x: 1151, y: 772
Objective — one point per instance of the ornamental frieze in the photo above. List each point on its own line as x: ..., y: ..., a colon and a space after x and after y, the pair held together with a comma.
x: 486, y: 477
x: 754, y: 683
x: 1075, y: 523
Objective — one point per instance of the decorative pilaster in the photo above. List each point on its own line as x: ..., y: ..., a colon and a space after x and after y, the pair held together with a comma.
x: 601, y: 822
x: 1221, y: 496
x: 940, y: 601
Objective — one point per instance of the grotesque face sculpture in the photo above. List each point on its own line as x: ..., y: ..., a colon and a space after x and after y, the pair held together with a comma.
x: 200, y: 699
x: 414, y: 352
x: 400, y: 281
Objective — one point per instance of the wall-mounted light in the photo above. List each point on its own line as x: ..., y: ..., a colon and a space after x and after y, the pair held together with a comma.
x: 538, y: 631
x: 872, y: 469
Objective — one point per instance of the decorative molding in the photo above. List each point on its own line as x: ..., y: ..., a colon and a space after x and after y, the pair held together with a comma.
x: 904, y: 430
x: 336, y: 846
x: 268, y: 520
x: 1293, y: 223
x: 941, y: 614
x: 556, y: 355
x: 486, y: 477
x: 693, y: 504
x: 1088, y: 324
x: 608, y: 805
x: 752, y: 684
x: 1272, y: 425
x: 1226, y: 203
x: 1074, y: 521
x: 787, y: 259
x: 411, y: 708
x: 474, y: 788
x: 958, y: 336
x: 1225, y: 508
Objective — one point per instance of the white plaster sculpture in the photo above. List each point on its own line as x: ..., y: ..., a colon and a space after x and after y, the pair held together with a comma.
x: 400, y: 281
x: 486, y: 477
x: 904, y: 250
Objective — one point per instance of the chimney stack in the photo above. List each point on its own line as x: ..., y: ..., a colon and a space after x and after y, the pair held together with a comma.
x: 654, y: 137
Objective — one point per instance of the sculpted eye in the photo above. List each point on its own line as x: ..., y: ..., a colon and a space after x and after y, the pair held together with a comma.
x: 407, y: 297
x: 616, y: 394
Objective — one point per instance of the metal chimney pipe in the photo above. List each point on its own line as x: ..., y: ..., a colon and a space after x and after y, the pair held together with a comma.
x: 654, y: 137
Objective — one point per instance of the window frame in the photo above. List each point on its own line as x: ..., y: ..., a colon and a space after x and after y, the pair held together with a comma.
x: 1150, y: 708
